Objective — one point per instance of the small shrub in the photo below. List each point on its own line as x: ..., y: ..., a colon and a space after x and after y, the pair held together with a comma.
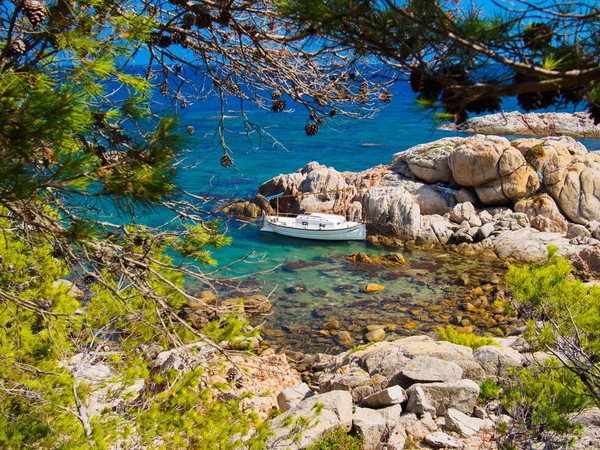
x: 467, y: 339
x: 488, y: 391
x: 338, y: 440
x: 540, y: 400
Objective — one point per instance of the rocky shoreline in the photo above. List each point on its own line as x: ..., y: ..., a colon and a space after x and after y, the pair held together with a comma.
x: 578, y: 124
x: 410, y: 392
x: 478, y: 195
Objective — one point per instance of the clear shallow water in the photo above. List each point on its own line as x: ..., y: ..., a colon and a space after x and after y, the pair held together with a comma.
x: 329, y: 286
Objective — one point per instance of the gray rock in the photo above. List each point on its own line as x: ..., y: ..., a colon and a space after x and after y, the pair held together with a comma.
x: 396, y: 439
x: 590, y: 420
x: 290, y: 397
x: 485, y: 216
x: 370, y: 425
x: 576, y: 230
x: 435, y: 230
x: 352, y: 378
x: 484, y: 231
x: 418, y: 401
x: 391, y: 414
x: 466, y: 195
x: 425, y: 369
x: 461, y: 395
x: 335, y: 414
x: 464, y: 211
x: 386, y: 397
x: 521, y: 245
x: 439, y: 439
x: 543, y: 213
x: 429, y: 161
x: 461, y: 236
x: 461, y: 423
x: 496, y: 361
x: 394, y: 209
x: 578, y: 124
x: 420, y: 428
x: 596, y: 232
x: 375, y: 335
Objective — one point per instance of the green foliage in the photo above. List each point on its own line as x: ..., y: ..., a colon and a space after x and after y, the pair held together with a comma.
x: 564, y: 321
x: 569, y: 311
x: 541, y: 401
x: 467, y: 339
x: 197, y: 239
x: 228, y: 328
x: 42, y: 327
x: 489, y: 390
x: 338, y: 440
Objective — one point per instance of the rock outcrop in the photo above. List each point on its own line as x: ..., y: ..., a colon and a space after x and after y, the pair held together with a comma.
x: 498, y: 172
x: 506, y: 199
x: 361, y: 391
x: 578, y: 124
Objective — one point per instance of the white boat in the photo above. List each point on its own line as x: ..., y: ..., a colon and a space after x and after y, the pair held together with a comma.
x: 325, y: 227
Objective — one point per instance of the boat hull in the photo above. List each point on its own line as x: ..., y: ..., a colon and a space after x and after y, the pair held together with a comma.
x: 352, y: 232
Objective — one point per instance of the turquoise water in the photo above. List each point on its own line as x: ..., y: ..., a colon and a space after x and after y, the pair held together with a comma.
x: 346, y: 145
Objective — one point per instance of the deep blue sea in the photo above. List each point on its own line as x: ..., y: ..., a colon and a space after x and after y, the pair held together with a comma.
x: 327, y: 281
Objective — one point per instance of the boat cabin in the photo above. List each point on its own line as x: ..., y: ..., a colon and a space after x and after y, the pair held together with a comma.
x: 318, y: 221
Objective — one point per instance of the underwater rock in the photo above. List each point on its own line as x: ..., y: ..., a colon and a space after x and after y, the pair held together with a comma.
x: 300, y: 264
x: 373, y: 287
x: 375, y: 335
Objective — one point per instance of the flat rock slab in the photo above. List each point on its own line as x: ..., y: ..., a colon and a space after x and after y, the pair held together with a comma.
x: 462, y: 423
x: 521, y: 245
x: 439, y: 439
x: 386, y: 397
x: 425, y: 369
x: 460, y: 395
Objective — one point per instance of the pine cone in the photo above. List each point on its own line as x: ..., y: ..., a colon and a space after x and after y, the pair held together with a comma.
x: 311, y: 129
x: 179, y: 38
x: 18, y: 48
x: 226, y: 161
x: 161, y: 40
x: 364, y: 88
x: 188, y: 20
x: 416, y: 80
x: 35, y: 11
x: 233, y: 88
x: 203, y: 18
x: 332, y: 113
x: 278, y: 106
x: 385, y: 96
x: 89, y: 279
x: 231, y: 374
x: 537, y: 36
x: 164, y: 89
x: 276, y: 94
x: 224, y: 17
x: 191, y: 130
